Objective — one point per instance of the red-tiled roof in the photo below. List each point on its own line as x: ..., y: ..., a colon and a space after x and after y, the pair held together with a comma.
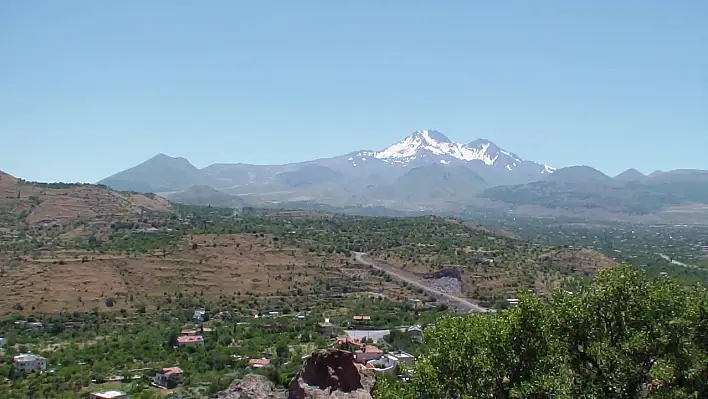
x: 172, y: 370
x: 259, y: 362
x: 190, y: 339
x: 349, y: 341
x: 372, y: 349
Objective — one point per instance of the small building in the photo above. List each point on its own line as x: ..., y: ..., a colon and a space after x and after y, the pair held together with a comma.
x: 300, y: 317
x: 347, y: 343
x: 169, y: 377
x: 390, y: 363
x: 274, y: 314
x: 2, y: 342
x: 189, y: 332
x: 35, y: 326
x: 386, y: 364
x: 325, y: 327
x: 367, y: 353
x: 110, y: 395
x: 196, y: 340
x: 415, y: 333
x: 362, y: 319
x: 405, y: 358
x: 29, y: 363
x: 259, y: 363
x: 200, y: 315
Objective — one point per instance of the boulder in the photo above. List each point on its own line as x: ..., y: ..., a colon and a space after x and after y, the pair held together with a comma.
x: 332, y: 374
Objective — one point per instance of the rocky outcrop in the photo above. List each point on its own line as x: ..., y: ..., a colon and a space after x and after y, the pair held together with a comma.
x: 327, y: 374
x: 332, y: 374
x: 252, y: 386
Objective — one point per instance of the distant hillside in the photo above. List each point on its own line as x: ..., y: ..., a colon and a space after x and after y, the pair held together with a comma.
x: 158, y: 174
x: 62, y: 203
x: 594, y: 191
x: 436, y: 182
x: 578, y: 174
x: 305, y: 176
x: 206, y: 196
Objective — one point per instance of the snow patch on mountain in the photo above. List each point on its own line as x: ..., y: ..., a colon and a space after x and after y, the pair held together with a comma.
x: 425, y: 143
x: 434, y: 143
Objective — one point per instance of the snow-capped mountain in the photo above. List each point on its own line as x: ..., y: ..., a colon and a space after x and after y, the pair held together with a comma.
x: 496, y: 166
x: 426, y: 143
x: 425, y: 147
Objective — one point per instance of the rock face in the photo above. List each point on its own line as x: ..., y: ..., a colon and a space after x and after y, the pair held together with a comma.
x: 327, y: 374
x: 252, y: 386
x: 332, y: 374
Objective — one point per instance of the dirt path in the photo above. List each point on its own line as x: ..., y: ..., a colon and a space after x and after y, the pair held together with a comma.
x: 464, y: 303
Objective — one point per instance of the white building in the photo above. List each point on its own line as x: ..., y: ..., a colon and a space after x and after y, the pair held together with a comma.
x: 200, y: 315
x: 110, y: 395
x: 169, y: 377
x: 390, y: 362
x: 29, y: 363
x: 2, y: 342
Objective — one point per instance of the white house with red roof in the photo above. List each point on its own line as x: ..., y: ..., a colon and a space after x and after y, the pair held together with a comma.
x: 368, y: 352
x: 169, y: 377
x: 196, y: 340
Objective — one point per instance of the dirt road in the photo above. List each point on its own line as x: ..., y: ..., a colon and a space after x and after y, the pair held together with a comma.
x: 463, y: 303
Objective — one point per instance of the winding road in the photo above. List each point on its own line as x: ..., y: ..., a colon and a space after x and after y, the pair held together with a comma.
x: 463, y: 303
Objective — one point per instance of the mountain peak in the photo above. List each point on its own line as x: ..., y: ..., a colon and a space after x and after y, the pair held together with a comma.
x: 578, y: 173
x: 430, y: 146
x: 630, y: 175
x: 431, y: 136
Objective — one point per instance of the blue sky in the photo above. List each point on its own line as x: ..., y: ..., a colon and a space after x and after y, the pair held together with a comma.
x: 89, y: 88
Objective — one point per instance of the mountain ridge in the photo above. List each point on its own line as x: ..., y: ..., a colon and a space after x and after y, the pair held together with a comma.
x: 497, y: 166
x: 426, y: 171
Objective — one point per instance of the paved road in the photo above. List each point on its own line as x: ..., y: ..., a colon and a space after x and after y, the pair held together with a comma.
x: 465, y: 304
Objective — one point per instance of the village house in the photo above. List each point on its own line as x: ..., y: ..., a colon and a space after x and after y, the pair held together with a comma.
x: 200, y: 315
x: 34, y: 326
x: 185, y: 340
x: 389, y: 363
x: 258, y: 363
x: 405, y: 358
x: 169, y: 377
x: 417, y: 303
x: 367, y: 353
x: 362, y: 319
x: 325, y: 327
x: 415, y: 333
x: 29, y: 363
x: 110, y: 395
x: 192, y: 332
x: 2, y: 342
x: 346, y: 343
